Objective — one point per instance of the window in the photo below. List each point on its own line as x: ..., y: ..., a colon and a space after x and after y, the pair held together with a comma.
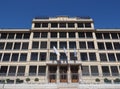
x: 63, y: 35
x: 42, y: 56
x: 73, y: 56
x: 109, y: 46
x: 89, y: 34
x: 101, y: 46
x: 103, y: 57
x: 116, y: 45
x: 19, y: 36
x: 71, y: 34
x: 81, y: 34
x: 63, y: 44
x: 92, y: 56
x: 23, y: 56
x: 0, y: 56
x: 94, y: 71
x: 118, y: 56
x: 82, y: 45
x: 21, y: 71
x: 111, y: 57
x: 53, y: 56
x: 9, y: 45
x: 87, y: 25
x: 84, y: 56
x: 105, y: 71
x: 106, y: 35
x: 35, y: 45
x: 12, y: 71
x: 62, y: 25
x: 85, y: 71
x: 54, y: 25
x: 43, y: 45
x: 14, y: 57
x: 34, y: 56
x: 63, y: 56
x: 53, y: 34
x: 37, y: 25
x: 44, y: 34
x: 3, y: 35
x: 6, y: 57
x: 3, y: 70
x: 53, y: 44
x: 114, y: 71
x: 17, y: 45
x: 44, y: 25
x: 36, y: 35
x: 26, y: 36
x: 80, y: 25
x: 32, y: 70
x: 72, y: 44
x: 90, y: 45
x: 2, y: 44
x: 99, y: 36
x: 71, y: 25
x: 25, y: 45
x: 114, y: 36
x: 11, y: 35
x: 42, y: 70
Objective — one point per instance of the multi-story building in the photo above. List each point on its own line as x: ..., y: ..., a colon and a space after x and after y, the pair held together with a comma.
x: 60, y: 50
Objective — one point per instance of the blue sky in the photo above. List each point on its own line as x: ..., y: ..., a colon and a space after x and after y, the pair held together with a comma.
x: 19, y: 13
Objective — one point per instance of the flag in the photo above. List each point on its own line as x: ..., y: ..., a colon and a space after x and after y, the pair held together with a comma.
x: 56, y: 51
x: 75, y: 53
x: 65, y: 51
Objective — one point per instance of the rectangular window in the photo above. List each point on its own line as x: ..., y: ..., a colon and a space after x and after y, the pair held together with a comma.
x: 71, y: 25
x: 106, y: 35
x: 25, y: 45
x: 6, y: 57
x: 19, y: 36
x: 54, y: 25
x: 81, y: 34
x: 94, y: 71
x: 11, y: 35
x: 90, y: 45
x: 53, y: 56
x: 35, y: 45
x: 73, y: 56
x: 53, y: 43
x: 14, y: 57
x: 37, y: 25
x: 63, y: 44
x: 23, y: 57
x: 80, y: 25
x: 114, y: 71
x: 89, y: 35
x: 43, y: 45
x: 34, y: 56
x: 87, y: 25
x: 118, y: 56
x: 62, y: 25
x: 116, y: 45
x: 21, y: 71
x: 42, y: 56
x: 42, y: 70
x: 109, y: 46
x: 101, y: 46
x: 0, y: 56
x: 44, y: 34
x: 111, y: 57
x: 3, y: 35
x: 53, y: 34
x: 63, y: 34
x: 105, y: 71
x: 17, y: 45
x: 82, y: 45
x: 72, y: 44
x: 2, y: 44
x: 84, y: 56
x: 36, y: 35
x: 32, y: 70
x: 103, y: 57
x: 9, y: 45
x: 114, y: 35
x: 3, y: 70
x: 92, y: 56
x: 63, y: 56
x: 45, y: 25
x: 12, y: 71
x: 99, y: 36
x: 71, y: 34
x: 26, y: 36
x: 85, y: 71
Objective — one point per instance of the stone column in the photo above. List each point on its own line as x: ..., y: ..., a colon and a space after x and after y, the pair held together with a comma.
x: 58, y: 74
x: 69, y: 74
x: 80, y: 74
x: 47, y: 74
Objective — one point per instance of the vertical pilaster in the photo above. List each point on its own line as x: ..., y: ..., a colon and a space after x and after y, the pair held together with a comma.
x: 47, y: 74
x: 69, y: 74
x: 80, y: 73
x: 58, y: 74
